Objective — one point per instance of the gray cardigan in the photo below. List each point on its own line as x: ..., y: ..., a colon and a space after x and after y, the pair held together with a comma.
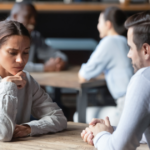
x: 16, y: 106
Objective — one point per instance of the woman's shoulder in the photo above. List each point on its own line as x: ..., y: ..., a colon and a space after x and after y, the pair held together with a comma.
x: 29, y: 78
x: 114, y: 38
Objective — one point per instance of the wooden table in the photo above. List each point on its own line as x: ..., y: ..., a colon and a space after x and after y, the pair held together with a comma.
x: 59, y: 6
x: 67, y: 140
x: 69, y: 79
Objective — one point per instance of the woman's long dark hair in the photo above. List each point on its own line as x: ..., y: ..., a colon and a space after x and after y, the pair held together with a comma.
x: 117, y: 17
x: 10, y: 28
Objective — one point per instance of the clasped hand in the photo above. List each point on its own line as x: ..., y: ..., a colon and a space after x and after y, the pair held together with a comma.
x: 54, y: 64
x: 96, y: 126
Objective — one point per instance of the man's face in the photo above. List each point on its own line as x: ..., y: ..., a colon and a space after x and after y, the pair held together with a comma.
x: 134, y: 53
x: 27, y: 17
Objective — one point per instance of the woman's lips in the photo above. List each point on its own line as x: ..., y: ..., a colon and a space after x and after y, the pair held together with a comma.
x: 19, y: 68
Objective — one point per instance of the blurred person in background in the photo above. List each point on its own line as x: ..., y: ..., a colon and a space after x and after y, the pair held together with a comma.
x: 54, y: 60
x: 110, y: 58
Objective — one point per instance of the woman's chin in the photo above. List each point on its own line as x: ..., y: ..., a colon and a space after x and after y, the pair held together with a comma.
x: 13, y: 72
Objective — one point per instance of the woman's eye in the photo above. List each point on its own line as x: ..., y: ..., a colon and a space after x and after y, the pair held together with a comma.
x: 26, y: 53
x: 13, y: 54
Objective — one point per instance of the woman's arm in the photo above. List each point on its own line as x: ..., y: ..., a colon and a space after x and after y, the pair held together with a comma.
x: 51, y: 117
x: 8, y: 109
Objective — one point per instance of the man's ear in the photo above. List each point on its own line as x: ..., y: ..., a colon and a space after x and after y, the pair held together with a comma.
x: 14, y: 17
x: 146, y: 51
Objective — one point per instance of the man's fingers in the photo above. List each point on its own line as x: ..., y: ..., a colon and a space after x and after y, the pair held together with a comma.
x: 90, y: 139
x: 107, y: 122
x: 88, y: 130
x: 95, y: 121
x: 83, y: 133
x: 86, y: 136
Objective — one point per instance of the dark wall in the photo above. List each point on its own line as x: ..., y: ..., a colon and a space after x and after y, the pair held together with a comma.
x: 68, y: 25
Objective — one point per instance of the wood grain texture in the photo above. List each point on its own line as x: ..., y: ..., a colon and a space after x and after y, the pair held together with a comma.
x: 66, y: 79
x: 54, y: 6
x: 67, y: 140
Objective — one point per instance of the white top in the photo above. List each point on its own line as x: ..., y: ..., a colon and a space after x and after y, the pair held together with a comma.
x: 110, y: 57
x: 16, y: 106
x: 135, y: 119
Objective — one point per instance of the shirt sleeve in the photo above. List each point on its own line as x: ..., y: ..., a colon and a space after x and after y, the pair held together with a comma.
x: 134, y: 120
x: 51, y: 117
x: 45, y: 52
x: 8, y: 110
x: 97, y: 61
x: 143, y: 140
x: 34, y: 67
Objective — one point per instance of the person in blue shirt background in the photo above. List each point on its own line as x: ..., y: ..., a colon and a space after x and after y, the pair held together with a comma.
x: 110, y: 58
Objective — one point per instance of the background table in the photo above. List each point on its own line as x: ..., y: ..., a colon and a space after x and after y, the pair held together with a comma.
x: 69, y: 79
x: 66, y: 140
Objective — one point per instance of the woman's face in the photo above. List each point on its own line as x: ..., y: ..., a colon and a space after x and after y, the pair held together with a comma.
x: 14, y: 54
x: 102, y: 26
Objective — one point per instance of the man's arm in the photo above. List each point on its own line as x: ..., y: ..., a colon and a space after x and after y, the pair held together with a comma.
x: 34, y: 67
x: 51, y: 117
x: 45, y: 52
x: 134, y: 120
x: 54, y: 59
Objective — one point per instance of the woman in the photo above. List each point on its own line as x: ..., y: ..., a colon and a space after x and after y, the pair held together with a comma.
x: 109, y: 57
x: 20, y: 94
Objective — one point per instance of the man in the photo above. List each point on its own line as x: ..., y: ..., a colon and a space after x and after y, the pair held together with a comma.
x: 54, y: 60
x: 135, y: 119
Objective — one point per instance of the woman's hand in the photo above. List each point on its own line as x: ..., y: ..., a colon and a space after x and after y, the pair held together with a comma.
x: 18, y: 79
x: 21, y: 131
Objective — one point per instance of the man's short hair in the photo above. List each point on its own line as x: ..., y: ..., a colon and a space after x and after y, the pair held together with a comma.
x: 19, y: 5
x: 140, y: 23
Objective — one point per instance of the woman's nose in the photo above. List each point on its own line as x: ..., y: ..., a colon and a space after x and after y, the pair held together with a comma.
x: 19, y: 59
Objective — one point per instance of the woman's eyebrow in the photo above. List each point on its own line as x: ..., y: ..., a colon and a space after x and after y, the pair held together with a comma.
x: 17, y: 49
x: 27, y: 48
x: 13, y: 49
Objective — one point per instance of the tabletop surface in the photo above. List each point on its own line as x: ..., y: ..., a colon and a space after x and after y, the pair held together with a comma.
x: 66, y: 79
x: 67, y: 140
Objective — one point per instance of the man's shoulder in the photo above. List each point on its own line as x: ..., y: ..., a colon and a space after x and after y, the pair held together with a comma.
x: 142, y: 76
x: 146, y: 73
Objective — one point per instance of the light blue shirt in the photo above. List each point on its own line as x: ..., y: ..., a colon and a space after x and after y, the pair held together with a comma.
x: 135, y: 119
x: 110, y: 57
